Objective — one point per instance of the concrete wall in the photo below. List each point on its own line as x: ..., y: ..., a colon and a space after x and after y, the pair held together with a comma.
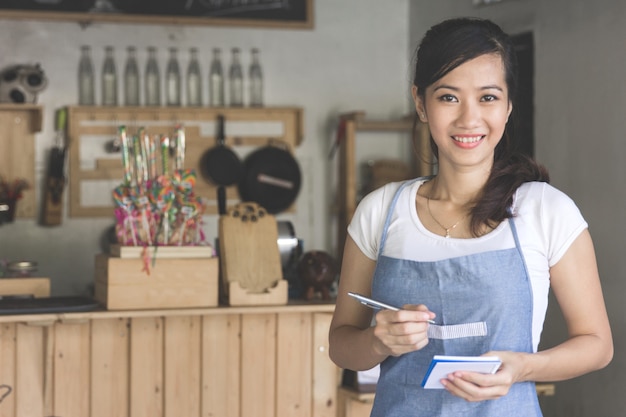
x: 580, y: 99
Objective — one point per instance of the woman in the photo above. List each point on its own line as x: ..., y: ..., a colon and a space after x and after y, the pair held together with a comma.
x: 474, y: 248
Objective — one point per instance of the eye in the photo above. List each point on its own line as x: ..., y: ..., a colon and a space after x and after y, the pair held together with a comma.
x: 448, y: 98
x: 489, y: 97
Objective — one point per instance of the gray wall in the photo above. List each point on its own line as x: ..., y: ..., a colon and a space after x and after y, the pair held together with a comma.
x: 580, y: 100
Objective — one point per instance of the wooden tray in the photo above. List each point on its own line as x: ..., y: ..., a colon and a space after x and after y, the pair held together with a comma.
x: 249, y: 254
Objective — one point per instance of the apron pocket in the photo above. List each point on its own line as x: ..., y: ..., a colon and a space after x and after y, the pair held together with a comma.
x: 457, y: 331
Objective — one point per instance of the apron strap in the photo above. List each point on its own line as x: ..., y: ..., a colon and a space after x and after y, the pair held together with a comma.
x: 383, y: 238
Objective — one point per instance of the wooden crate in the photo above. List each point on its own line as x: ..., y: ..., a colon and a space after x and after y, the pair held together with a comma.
x: 124, y: 283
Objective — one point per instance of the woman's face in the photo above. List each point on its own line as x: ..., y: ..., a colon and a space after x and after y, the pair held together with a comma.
x: 466, y: 111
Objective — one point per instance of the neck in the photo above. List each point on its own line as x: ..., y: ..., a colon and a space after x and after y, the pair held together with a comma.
x: 457, y: 189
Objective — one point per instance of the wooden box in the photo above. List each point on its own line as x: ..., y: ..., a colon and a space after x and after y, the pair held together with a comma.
x: 37, y: 287
x: 124, y: 284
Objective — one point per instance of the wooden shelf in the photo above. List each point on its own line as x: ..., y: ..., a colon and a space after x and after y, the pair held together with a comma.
x: 88, y: 127
x: 18, y: 125
x: 350, y: 124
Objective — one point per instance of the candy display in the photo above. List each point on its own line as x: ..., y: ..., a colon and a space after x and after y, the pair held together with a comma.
x: 155, y: 205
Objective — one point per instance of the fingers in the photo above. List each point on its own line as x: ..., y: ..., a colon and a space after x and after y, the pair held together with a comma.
x: 402, y: 331
x: 422, y: 308
x: 472, y: 386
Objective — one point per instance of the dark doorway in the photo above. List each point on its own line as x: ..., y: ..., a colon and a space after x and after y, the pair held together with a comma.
x: 523, y: 112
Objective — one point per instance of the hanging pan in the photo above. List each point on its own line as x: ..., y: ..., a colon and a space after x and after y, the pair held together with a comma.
x: 271, y: 177
x: 221, y: 166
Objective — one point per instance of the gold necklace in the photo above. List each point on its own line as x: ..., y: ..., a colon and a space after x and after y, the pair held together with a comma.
x: 447, y: 229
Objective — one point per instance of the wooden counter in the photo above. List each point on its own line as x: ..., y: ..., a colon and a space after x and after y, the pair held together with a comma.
x: 223, y: 361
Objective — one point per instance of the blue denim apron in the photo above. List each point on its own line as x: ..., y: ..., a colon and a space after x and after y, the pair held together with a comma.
x: 483, y: 302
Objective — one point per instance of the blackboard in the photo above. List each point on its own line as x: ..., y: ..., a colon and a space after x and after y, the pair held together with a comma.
x: 279, y: 13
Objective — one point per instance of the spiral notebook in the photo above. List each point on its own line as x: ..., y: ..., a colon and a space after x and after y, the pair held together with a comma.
x: 443, y: 365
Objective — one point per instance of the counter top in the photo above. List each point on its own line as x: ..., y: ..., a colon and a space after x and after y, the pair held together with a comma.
x: 295, y: 306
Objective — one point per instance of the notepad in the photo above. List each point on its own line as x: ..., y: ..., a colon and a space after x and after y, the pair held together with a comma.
x: 443, y: 365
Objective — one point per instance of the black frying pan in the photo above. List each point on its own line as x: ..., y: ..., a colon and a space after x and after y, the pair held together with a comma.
x: 221, y: 166
x: 271, y: 178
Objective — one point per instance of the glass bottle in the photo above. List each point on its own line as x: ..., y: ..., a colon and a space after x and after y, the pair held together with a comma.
x: 131, y: 78
x: 256, y: 80
x: 109, y: 78
x: 216, y: 80
x: 86, y: 82
x: 194, y: 80
x: 172, y: 79
x: 235, y: 80
x: 152, y: 79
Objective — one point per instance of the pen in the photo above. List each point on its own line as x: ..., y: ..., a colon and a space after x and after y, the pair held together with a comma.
x: 376, y: 304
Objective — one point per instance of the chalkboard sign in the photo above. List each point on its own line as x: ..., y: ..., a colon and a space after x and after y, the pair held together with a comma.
x: 279, y: 13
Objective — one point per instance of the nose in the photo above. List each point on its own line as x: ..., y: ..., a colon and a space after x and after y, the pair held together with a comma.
x: 469, y: 115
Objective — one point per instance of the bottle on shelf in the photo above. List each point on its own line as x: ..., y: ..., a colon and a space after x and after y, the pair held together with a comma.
x: 172, y: 79
x: 255, y: 77
x: 235, y: 80
x: 109, y: 78
x: 131, y: 78
x: 216, y: 80
x: 86, y: 81
x: 152, y: 79
x: 194, y: 80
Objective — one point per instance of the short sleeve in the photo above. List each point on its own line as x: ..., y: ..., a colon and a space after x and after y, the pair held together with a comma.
x: 562, y: 222
x: 366, y: 225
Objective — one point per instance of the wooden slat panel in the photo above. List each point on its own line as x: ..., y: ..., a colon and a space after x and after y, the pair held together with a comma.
x: 182, y: 366
x: 258, y: 365
x: 29, y: 368
x: 146, y: 367
x: 293, y: 365
x: 18, y: 124
x: 7, y: 369
x: 110, y: 346
x: 71, y: 369
x: 325, y: 372
x: 221, y: 341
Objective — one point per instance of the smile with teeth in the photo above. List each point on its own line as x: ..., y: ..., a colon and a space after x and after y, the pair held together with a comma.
x: 467, y: 139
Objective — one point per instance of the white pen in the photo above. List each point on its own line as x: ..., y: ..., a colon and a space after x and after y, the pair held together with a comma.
x: 377, y: 305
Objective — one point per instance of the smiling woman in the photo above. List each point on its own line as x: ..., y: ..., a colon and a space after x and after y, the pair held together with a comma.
x: 478, y: 245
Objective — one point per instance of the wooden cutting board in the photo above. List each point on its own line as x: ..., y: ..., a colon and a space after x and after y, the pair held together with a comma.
x: 249, y: 254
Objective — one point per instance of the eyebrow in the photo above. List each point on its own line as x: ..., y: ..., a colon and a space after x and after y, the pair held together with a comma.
x: 486, y: 87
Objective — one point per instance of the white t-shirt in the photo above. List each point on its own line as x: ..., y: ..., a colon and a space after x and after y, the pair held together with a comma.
x: 547, y: 222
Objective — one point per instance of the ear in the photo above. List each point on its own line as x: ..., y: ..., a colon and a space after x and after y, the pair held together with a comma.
x: 420, y: 108
x: 509, y: 111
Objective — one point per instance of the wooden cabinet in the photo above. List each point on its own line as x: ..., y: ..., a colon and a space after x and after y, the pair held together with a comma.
x: 253, y: 361
x: 351, y: 403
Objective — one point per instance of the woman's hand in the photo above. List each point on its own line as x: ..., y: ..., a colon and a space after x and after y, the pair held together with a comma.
x: 399, y: 332
x: 474, y: 386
